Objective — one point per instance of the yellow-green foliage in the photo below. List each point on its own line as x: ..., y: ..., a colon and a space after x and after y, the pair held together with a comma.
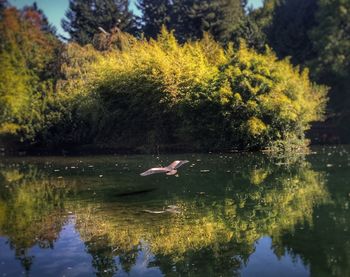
x: 31, y: 211
x: 135, y: 93
x: 220, y: 98
x: 274, y: 99
x: 27, y: 57
x: 199, y: 94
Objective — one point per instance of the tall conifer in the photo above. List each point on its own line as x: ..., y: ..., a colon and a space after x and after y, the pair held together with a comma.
x: 190, y: 18
x: 155, y: 14
x: 288, y: 33
x: 84, y: 17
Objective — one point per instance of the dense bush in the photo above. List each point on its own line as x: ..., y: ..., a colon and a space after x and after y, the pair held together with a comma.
x: 271, y: 102
x: 198, y: 95
x: 28, y: 58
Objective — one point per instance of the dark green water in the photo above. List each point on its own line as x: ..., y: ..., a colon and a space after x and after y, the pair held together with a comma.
x: 250, y: 215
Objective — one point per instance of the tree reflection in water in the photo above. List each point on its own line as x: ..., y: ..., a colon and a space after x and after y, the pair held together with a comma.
x: 31, y: 209
x: 328, y: 238
x: 222, y: 214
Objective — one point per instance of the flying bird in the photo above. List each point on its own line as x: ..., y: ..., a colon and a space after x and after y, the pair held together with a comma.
x: 171, y: 169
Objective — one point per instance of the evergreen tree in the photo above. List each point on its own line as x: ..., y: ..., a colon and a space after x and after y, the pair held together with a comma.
x: 250, y: 32
x: 220, y: 18
x: 155, y: 14
x: 84, y: 17
x: 288, y: 33
x: 257, y: 22
x: 233, y: 18
x: 331, y: 38
x: 316, y: 33
x: 331, y: 41
x: 191, y: 18
x: 263, y: 15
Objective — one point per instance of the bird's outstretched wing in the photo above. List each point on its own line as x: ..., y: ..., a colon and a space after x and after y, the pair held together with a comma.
x: 177, y: 164
x: 154, y: 171
x: 172, y: 172
x: 170, y: 169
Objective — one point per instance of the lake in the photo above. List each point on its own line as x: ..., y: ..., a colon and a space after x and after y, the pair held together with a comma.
x: 237, y: 214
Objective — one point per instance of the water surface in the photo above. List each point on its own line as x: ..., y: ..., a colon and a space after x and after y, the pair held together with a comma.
x: 222, y: 215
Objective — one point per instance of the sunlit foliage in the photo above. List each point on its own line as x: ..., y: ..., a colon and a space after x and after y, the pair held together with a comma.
x: 139, y: 94
x: 315, y: 34
x: 199, y: 93
x: 28, y: 53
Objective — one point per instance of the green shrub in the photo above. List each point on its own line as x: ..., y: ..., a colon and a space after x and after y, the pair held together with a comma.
x: 28, y: 57
x: 198, y: 94
x: 268, y: 100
